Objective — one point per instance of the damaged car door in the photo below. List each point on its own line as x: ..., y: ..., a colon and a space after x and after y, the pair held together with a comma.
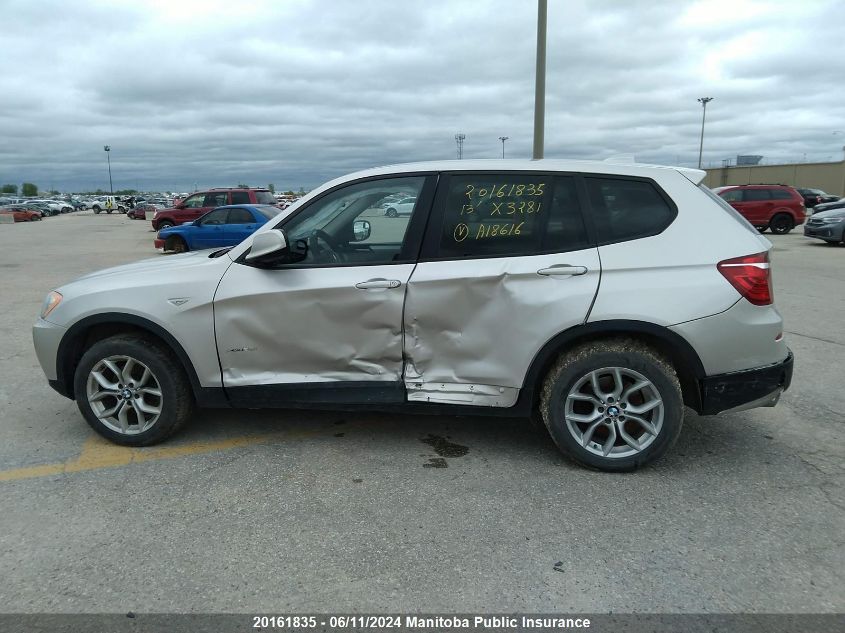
x: 328, y: 328
x: 507, y: 264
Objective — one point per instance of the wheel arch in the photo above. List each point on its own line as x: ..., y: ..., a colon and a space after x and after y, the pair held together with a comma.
x: 85, y: 332
x: 672, y: 345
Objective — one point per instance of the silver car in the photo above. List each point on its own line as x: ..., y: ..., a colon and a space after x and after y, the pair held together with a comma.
x: 581, y: 294
x: 827, y: 225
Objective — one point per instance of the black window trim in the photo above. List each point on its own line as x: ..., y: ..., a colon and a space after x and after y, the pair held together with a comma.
x: 413, y: 234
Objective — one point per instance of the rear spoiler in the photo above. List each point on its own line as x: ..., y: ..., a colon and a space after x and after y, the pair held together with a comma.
x: 695, y: 176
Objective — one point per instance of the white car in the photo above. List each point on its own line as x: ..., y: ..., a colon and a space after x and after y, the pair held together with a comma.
x: 400, y: 206
x: 580, y: 294
x: 107, y: 204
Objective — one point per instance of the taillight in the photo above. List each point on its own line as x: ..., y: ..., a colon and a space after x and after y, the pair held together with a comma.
x: 751, y: 275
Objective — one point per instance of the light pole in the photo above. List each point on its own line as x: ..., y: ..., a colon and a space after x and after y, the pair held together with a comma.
x: 703, y: 101
x: 108, y: 158
x: 540, y: 80
x: 503, y: 139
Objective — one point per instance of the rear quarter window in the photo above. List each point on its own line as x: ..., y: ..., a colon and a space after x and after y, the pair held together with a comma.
x: 624, y: 209
x: 264, y: 197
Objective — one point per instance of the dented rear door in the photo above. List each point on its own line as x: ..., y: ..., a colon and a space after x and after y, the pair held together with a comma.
x: 506, y: 265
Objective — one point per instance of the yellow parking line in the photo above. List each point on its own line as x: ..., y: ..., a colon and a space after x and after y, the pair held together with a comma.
x: 99, y: 453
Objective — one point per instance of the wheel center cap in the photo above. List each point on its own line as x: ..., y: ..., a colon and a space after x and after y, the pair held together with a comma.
x: 126, y: 393
x: 612, y: 411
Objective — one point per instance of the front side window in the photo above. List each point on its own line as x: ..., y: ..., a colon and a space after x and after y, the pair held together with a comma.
x: 214, y: 218
x: 732, y: 195
x: 357, y: 224
x: 194, y: 202
x: 627, y: 209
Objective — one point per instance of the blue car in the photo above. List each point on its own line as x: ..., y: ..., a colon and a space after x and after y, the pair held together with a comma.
x: 223, y: 226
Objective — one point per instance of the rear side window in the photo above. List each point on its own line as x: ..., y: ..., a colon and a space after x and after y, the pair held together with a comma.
x: 754, y: 195
x: 627, y: 209
x: 781, y: 194
x: 264, y: 197
x: 493, y: 215
x: 240, y: 216
x: 240, y: 197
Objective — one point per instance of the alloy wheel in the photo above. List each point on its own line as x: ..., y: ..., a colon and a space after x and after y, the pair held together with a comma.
x: 614, y: 412
x: 124, y: 394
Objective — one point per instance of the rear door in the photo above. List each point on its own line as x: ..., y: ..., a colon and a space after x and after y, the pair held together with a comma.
x: 239, y: 225
x: 756, y: 206
x: 506, y: 265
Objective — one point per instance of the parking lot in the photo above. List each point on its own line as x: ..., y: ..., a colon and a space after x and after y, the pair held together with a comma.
x: 262, y: 511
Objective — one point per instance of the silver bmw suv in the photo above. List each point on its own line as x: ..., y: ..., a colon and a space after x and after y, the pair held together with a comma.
x: 597, y: 298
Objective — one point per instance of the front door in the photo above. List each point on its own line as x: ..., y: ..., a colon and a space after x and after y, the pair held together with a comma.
x: 327, y: 329
x: 208, y: 231
x: 506, y: 265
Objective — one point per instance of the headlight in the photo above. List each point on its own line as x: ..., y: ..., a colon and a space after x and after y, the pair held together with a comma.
x: 53, y: 299
x: 832, y: 220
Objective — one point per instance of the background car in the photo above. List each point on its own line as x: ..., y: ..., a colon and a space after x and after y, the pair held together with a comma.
x: 21, y: 214
x: 400, y: 206
x: 775, y: 207
x: 829, y: 206
x: 224, y: 226
x: 827, y: 225
x: 812, y: 197
x: 140, y: 210
x: 200, y: 203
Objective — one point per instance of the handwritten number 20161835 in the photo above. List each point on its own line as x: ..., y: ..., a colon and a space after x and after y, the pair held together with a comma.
x: 504, y: 191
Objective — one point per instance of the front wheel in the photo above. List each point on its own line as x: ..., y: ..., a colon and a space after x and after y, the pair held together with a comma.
x: 781, y: 224
x: 612, y: 405
x: 132, y: 391
x: 97, y: 210
x: 391, y: 213
x: 175, y: 244
x: 166, y: 224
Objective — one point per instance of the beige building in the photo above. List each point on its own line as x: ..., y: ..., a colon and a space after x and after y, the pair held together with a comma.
x: 827, y: 176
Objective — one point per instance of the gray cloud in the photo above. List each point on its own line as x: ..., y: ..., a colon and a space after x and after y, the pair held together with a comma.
x: 295, y: 93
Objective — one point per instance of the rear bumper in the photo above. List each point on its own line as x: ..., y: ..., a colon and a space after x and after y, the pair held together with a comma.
x: 746, y: 389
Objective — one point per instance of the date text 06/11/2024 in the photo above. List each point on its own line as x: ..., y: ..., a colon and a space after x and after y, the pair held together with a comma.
x: 418, y: 622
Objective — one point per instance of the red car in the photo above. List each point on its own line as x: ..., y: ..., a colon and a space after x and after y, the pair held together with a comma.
x: 778, y: 208
x: 140, y: 211
x: 21, y: 214
x: 202, y: 202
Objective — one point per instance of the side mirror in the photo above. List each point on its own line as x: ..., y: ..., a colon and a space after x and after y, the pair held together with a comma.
x: 272, y: 247
x: 361, y: 230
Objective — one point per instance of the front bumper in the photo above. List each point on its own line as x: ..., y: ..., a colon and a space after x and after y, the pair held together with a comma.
x: 825, y: 231
x: 746, y: 389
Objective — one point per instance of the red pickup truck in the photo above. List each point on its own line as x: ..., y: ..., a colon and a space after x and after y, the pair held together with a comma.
x: 202, y: 202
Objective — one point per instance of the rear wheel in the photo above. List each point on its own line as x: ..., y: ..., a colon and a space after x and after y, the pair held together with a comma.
x: 132, y: 391
x: 391, y: 213
x: 175, y: 244
x: 614, y: 405
x: 96, y: 209
x: 781, y: 224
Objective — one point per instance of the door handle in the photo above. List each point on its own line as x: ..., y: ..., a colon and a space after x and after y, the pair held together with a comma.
x: 378, y: 283
x: 561, y: 270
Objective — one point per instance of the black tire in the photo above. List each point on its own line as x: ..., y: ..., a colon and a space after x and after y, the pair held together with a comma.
x: 176, y: 401
x: 165, y: 224
x: 781, y: 224
x: 629, y: 355
x: 391, y: 213
x: 96, y: 209
x: 176, y: 244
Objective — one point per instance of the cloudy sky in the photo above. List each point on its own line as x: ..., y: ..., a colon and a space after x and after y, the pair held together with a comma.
x: 216, y: 92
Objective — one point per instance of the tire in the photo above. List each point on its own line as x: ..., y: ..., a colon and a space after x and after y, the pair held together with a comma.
x: 391, y: 213
x: 96, y: 209
x: 603, y: 422
x: 781, y: 224
x: 166, y: 224
x: 176, y: 244
x: 151, y: 418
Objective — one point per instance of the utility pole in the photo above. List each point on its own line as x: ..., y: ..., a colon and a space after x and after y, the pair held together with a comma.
x: 107, y: 148
x: 703, y: 101
x: 459, y: 139
x: 540, y: 81
x: 503, y: 139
